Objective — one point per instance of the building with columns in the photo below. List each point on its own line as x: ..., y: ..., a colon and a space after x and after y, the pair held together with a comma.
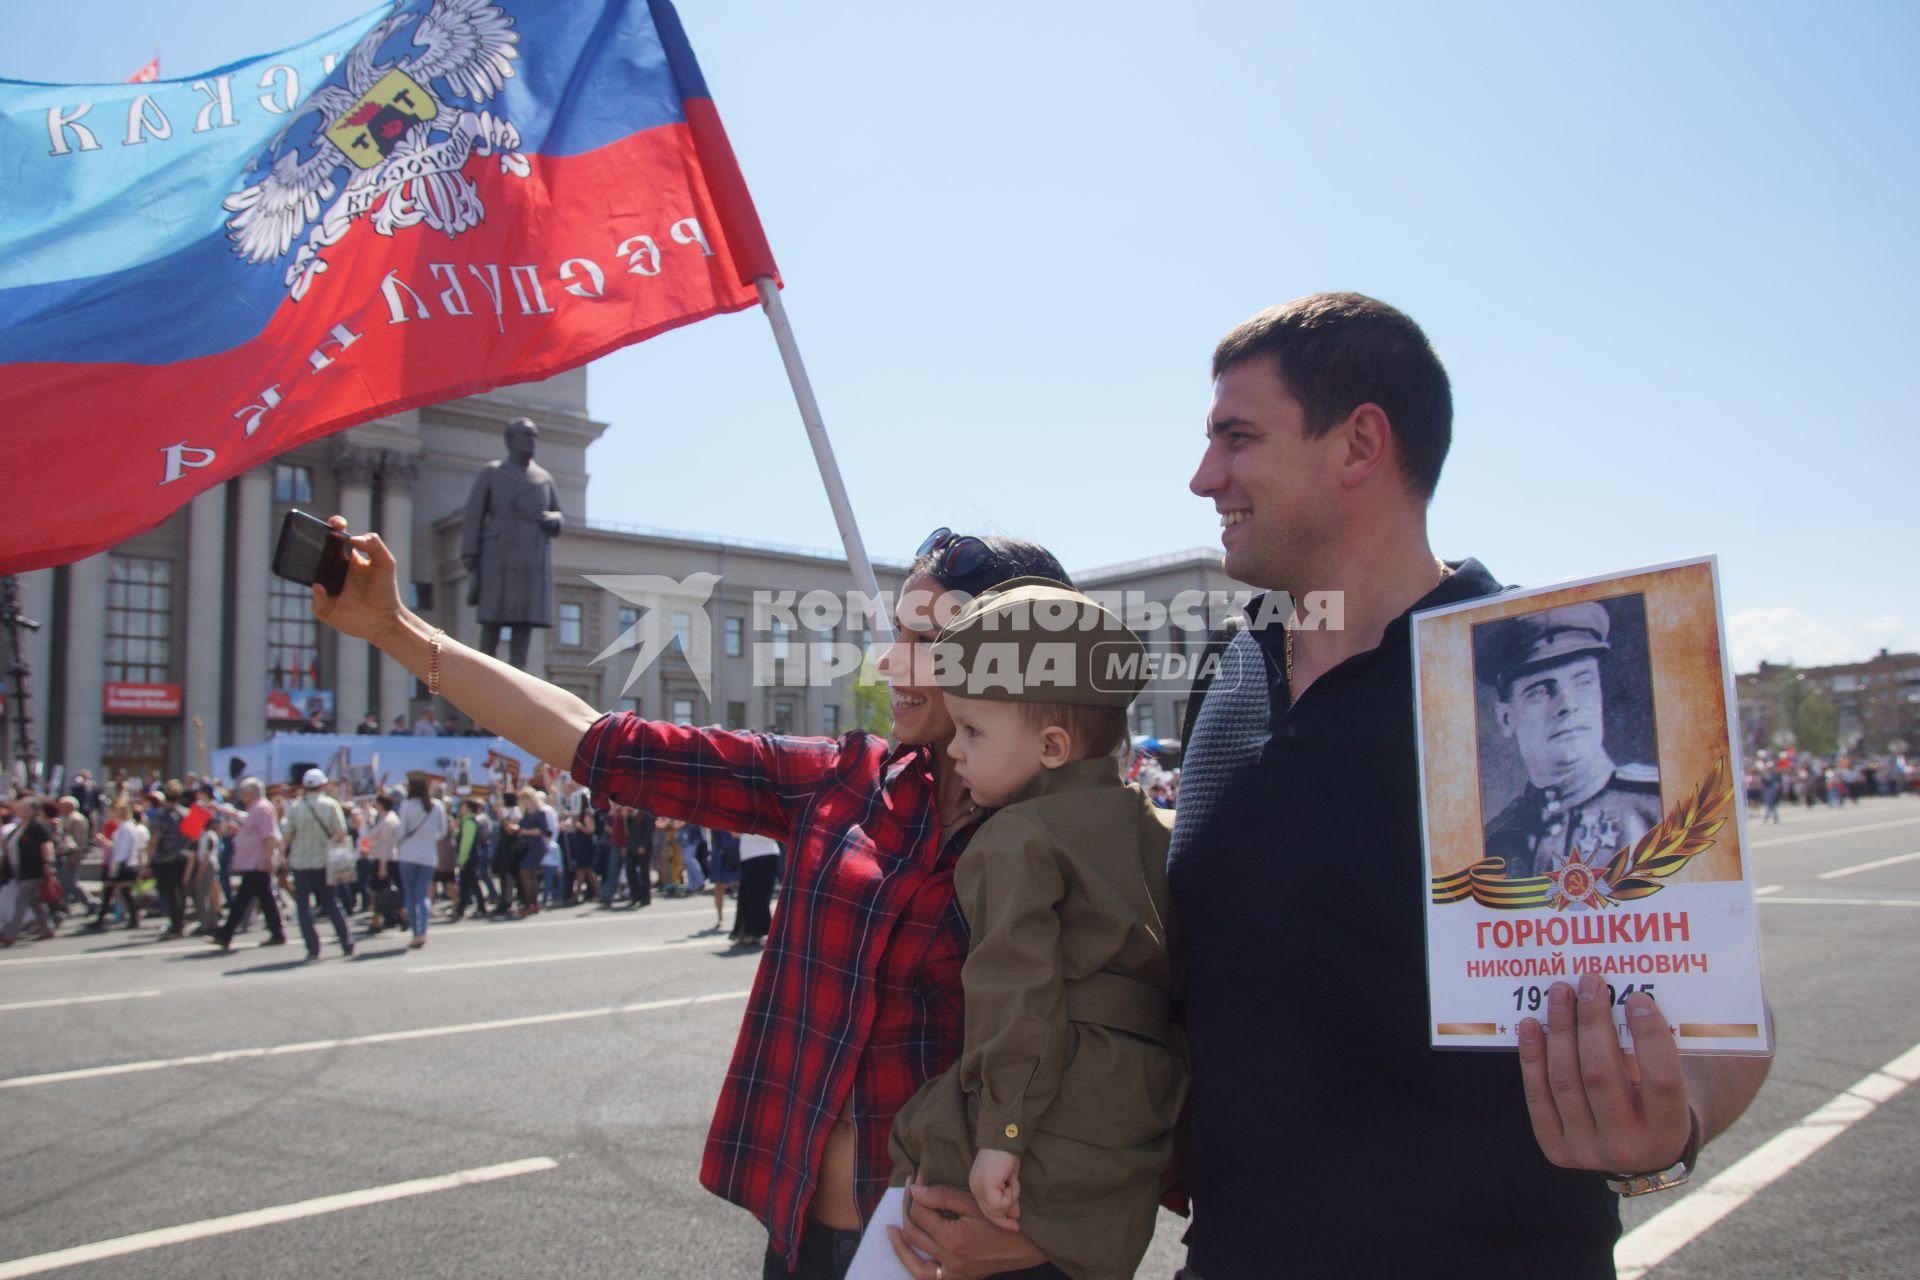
x: 182, y: 636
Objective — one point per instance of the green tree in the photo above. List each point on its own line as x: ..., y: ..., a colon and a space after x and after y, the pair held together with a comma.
x: 1805, y: 710
x: 872, y: 709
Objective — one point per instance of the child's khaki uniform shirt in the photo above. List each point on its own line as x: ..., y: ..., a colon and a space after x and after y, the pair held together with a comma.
x: 1069, y: 1060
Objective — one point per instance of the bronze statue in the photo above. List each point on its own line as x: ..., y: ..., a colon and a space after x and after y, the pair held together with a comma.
x: 506, y: 542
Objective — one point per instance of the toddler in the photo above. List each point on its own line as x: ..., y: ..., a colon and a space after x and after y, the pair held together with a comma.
x: 1060, y: 1114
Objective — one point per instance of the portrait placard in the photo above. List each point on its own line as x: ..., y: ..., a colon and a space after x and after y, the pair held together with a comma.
x: 1581, y: 810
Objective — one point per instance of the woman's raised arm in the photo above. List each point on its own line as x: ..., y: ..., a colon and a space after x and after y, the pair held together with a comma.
x: 538, y: 717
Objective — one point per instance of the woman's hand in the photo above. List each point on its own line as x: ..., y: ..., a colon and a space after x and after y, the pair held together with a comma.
x: 369, y: 604
x: 945, y: 1225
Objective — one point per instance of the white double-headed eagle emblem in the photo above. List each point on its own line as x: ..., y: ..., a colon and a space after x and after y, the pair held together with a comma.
x: 398, y: 129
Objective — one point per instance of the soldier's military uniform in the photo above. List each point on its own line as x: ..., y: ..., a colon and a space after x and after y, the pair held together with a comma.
x: 1597, y: 814
x: 1536, y: 831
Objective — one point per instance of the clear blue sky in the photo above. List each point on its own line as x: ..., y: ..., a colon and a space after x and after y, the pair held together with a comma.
x: 1668, y: 253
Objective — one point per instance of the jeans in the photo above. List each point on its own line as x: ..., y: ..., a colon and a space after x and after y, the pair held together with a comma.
x: 310, y: 887
x: 255, y: 886
x: 416, y: 884
x: 550, y: 884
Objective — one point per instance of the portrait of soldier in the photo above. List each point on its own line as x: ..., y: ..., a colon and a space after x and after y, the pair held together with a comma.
x: 506, y: 542
x: 1548, y: 675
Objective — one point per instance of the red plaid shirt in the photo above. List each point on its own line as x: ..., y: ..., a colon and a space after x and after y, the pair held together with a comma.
x: 859, y: 989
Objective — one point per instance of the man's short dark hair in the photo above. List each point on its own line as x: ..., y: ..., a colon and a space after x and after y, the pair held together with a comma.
x: 1337, y: 351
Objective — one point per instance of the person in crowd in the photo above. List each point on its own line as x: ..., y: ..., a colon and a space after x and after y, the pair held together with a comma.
x: 314, y: 822
x: 30, y: 853
x: 723, y: 857
x: 691, y: 840
x: 383, y: 841
x: 1770, y: 793
x: 753, y: 910
x: 203, y: 890
x: 256, y: 848
x: 584, y: 848
x: 170, y: 857
x: 369, y: 723
x: 469, y: 856
x: 1318, y: 1109
x: 122, y: 869
x: 423, y: 824
x: 533, y: 828
x: 73, y: 838
x: 425, y: 725
x: 858, y: 998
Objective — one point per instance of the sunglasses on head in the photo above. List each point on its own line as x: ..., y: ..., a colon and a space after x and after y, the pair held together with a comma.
x: 955, y: 555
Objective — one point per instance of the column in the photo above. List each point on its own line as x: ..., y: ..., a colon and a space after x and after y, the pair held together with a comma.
x: 353, y: 471
x: 206, y: 575
x: 86, y: 646
x: 251, y: 560
x: 398, y: 471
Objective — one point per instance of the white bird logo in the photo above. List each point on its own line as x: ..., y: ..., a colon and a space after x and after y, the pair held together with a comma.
x: 399, y: 128
x: 651, y: 593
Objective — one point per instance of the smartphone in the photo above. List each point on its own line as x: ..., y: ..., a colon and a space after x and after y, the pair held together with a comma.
x: 311, y: 551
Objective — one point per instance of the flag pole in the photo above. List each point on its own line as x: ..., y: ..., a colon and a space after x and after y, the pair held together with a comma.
x: 863, y: 575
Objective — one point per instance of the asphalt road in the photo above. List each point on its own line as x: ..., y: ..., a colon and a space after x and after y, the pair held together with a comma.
x: 573, y: 1060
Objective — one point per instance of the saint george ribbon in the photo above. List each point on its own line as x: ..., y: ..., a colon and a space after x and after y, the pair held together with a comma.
x: 432, y: 200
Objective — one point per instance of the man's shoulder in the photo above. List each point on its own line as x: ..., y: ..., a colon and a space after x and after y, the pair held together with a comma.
x: 1520, y: 813
x: 1643, y: 778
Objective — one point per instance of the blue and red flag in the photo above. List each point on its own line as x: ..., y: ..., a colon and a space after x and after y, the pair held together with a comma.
x: 438, y: 198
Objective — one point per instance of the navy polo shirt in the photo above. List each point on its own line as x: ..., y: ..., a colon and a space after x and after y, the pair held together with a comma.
x: 1328, y: 1139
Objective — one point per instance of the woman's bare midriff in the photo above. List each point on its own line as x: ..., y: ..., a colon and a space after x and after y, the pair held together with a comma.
x: 833, y: 1204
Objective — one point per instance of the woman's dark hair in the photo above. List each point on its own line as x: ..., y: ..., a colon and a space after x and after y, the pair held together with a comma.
x: 1010, y: 558
x: 417, y: 789
x: 386, y: 803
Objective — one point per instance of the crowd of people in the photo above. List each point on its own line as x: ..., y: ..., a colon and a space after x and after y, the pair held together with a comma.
x: 1813, y: 781
x: 214, y: 859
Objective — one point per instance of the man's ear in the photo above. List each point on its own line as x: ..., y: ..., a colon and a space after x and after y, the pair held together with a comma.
x: 1056, y: 746
x: 1369, y: 444
x: 1503, y: 716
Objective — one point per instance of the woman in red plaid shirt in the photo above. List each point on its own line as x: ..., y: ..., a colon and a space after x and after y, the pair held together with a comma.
x: 872, y: 832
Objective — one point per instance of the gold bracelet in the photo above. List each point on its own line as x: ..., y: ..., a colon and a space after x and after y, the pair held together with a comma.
x: 433, y: 662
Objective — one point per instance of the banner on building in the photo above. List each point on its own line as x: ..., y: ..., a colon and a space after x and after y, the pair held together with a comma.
x: 119, y: 699
x: 435, y: 199
x: 298, y: 704
x: 1582, y: 809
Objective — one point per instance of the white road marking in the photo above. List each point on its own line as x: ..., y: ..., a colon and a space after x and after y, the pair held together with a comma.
x: 118, y: 953
x: 515, y: 961
x: 1868, y: 866
x: 63, y: 1001
x: 1843, y: 902
x: 1664, y: 1234
x: 1766, y: 889
x: 120, y: 1246
x: 520, y: 926
x: 347, y: 1042
x: 1835, y: 833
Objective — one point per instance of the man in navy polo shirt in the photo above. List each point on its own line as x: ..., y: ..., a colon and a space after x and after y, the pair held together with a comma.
x: 1328, y: 1139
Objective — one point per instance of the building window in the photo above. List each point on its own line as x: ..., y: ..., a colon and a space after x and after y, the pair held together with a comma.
x: 736, y: 637
x: 830, y: 716
x: 423, y: 596
x: 783, y: 716
x: 293, y: 637
x: 630, y: 704
x: 1143, y: 719
x: 683, y: 711
x: 573, y: 624
x: 682, y: 631
x: 627, y: 618
x: 736, y: 715
x: 139, y: 619
x: 292, y: 484
x: 780, y: 652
